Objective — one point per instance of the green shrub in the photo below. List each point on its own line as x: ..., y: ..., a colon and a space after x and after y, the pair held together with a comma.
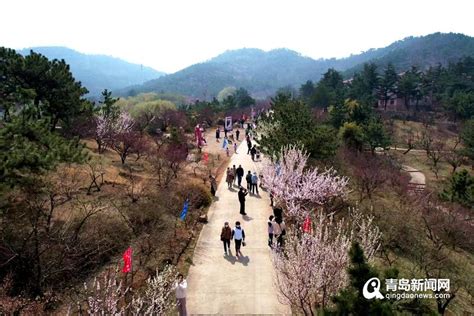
x: 199, y: 196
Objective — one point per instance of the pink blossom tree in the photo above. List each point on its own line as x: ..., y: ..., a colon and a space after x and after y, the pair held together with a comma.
x: 124, y: 140
x: 312, y: 267
x: 103, y: 131
x: 300, y: 189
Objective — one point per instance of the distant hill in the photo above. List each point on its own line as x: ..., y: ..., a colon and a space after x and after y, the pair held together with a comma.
x: 98, y: 72
x: 262, y: 73
x: 424, y: 51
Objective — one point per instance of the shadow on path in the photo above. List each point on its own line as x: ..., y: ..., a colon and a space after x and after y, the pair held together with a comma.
x: 247, y: 218
x: 244, y: 260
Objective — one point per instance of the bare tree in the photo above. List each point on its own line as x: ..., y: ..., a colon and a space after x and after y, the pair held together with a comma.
x: 96, y: 172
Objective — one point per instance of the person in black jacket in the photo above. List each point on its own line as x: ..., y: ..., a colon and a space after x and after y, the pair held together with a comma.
x: 242, y: 193
x: 253, y: 152
x: 248, y: 178
x: 240, y: 175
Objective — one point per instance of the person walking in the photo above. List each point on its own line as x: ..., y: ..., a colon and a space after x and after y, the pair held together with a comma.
x: 235, y: 147
x: 248, y: 179
x: 229, y: 178
x: 213, y: 185
x: 234, y: 174
x: 218, y: 134
x: 237, y: 134
x: 270, y: 231
x: 226, y: 236
x: 240, y: 175
x: 249, y: 146
x: 253, y: 152
x: 242, y: 193
x: 254, y: 185
x: 279, y: 231
x: 238, y: 234
x: 180, y: 290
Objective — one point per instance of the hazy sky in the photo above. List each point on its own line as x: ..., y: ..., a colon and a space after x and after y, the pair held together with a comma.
x: 169, y: 35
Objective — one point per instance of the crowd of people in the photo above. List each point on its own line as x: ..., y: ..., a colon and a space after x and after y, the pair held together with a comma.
x: 276, y: 227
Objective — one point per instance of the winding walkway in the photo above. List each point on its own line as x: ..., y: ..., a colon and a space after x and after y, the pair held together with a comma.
x: 224, y: 285
x: 417, y: 178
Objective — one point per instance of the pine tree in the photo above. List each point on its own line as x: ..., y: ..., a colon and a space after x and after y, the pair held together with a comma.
x: 388, y: 84
x: 28, y: 148
x: 350, y: 301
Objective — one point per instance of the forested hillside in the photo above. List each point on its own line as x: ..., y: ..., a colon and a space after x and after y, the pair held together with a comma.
x: 262, y: 73
x: 98, y: 72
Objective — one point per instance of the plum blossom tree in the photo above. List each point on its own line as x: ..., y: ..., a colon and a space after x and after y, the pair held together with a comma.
x: 300, y: 189
x: 107, y: 296
x: 156, y: 298
x: 124, y: 140
x: 103, y: 131
x: 313, y: 266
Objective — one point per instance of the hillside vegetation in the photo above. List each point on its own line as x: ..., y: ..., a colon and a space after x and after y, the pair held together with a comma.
x: 262, y: 73
x: 98, y: 72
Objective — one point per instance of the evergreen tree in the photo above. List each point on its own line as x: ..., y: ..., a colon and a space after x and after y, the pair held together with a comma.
x: 108, y: 108
x: 388, y: 84
x: 330, y: 90
x: 467, y: 136
x: 350, y: 301
x: 364, y: 86
x: 375, y: 135
x: 409, y: 87
x: 291, y: 122
x: 460, y: 189
x: 338, y: 115
x: 352, y: 135
x: 242, y: 98
x: 306, y: 91
x: 28, y: 147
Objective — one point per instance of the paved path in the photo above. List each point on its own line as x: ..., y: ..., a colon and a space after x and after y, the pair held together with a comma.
x: 224, y: 285
x: 417, y: 178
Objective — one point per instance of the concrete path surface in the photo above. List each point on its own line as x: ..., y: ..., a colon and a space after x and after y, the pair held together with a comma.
x: 225, y: 285
x: 416, y: 176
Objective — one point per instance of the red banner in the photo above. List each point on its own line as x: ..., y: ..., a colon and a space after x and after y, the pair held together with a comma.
x: 127, y: 260
x: 307, y: 225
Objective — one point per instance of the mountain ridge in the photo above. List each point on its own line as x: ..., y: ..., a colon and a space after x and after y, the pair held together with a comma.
x: 97, y: 71
x: 262, y: 72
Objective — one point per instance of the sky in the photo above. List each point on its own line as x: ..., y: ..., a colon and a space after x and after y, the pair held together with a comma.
x: 169, y: 35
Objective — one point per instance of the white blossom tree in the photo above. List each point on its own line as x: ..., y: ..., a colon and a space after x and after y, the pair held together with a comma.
x: 312, y: 267
x: 104, y: 296
x: 156, y: 298
x: 296, y: 187
x: 107, y: 296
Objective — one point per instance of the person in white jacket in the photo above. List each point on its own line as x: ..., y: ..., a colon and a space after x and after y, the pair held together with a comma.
x: 238, y: 234
x: 180, y: 289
